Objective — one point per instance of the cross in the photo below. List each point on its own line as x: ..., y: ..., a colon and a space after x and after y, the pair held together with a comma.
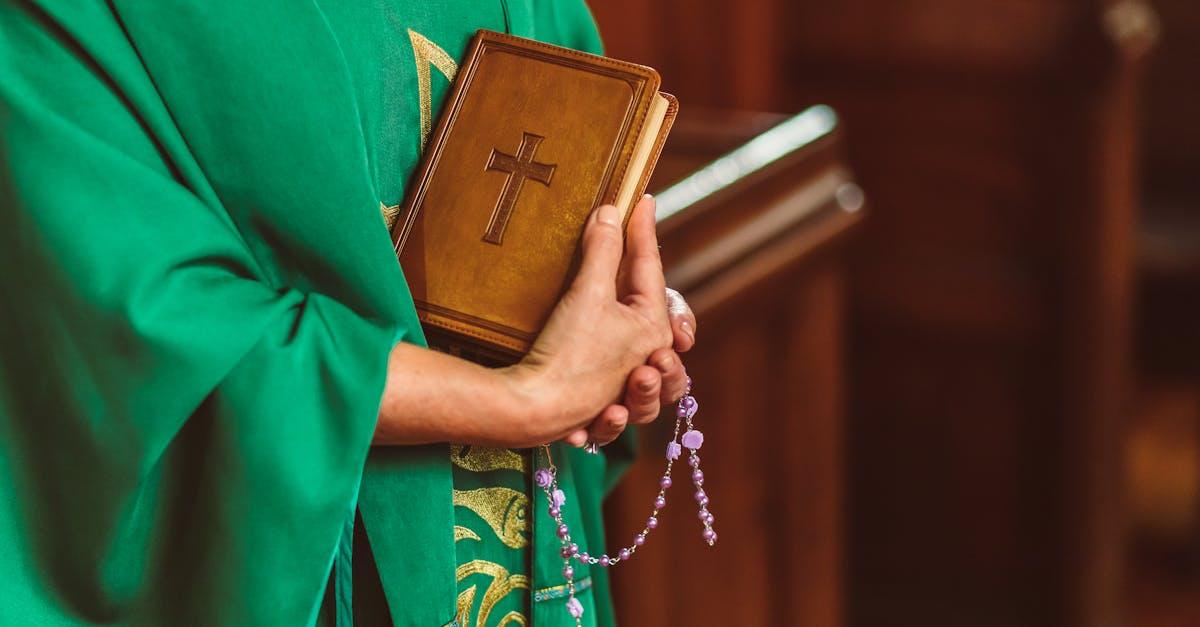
x: 519, y: 168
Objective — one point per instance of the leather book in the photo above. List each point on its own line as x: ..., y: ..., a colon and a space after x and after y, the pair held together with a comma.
x: 531, y: 139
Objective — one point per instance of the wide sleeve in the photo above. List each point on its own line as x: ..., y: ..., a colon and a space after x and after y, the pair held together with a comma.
x: 180, y: 436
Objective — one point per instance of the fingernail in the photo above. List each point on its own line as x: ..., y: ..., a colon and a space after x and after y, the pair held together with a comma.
x: 647, y: 197
x: 608, y: 214
x: 687, y: 328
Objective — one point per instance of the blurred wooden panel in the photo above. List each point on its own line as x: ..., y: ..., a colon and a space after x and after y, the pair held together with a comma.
x: 758, y: 258
x: 715, y: 54
x: 1171, y: 122
x: 992, y: 296
x: 990, y: 293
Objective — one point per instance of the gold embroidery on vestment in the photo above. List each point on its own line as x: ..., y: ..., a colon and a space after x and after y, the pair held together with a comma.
x: 389, y: 214
x: 427, y: 53
x: 504, y: 510
x: 512, y: 618
x: 466, y: 601
x: 502, y: 584
x: 484, y: 458
x: 463, y: 533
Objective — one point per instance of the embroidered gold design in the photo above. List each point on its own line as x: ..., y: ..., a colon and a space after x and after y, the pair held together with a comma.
x: 466, y: 601
x: 504, y: 510
x: 463, y: 533
x: 483, y: 458
x: 560, y: 591
x: 427, y: 53
x: 389, y: 214
x: 502, y: 584
x: 512, y: 618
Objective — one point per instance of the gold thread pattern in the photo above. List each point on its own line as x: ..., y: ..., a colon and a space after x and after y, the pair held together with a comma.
x: 484, y: 459
x: 560, y: 591
x: 466, y: 601
x: 389, y: 214
x: 505, y: 510
x: 463, y: 533
x: 426, y: 54
x: 502, y: 584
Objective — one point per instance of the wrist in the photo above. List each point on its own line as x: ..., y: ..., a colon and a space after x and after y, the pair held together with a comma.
x: 532, y: 402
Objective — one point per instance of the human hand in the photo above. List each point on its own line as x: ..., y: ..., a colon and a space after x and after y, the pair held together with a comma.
x: 663, y: 379
x: 612, y: 319
x: 605, y: 344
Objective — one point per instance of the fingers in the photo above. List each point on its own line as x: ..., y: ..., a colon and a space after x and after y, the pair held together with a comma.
x: 577, y: 438
x: 683, y: 321
x: 674, y: 376
x: 609, y: 424
x: 601, y: 252
x: 643, y: 266
x: 642, y: 392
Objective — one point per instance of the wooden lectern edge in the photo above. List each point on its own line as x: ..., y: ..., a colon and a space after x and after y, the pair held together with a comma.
x: 712, y: 281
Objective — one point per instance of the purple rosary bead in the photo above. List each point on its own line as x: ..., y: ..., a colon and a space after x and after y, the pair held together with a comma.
x: 691, y: 439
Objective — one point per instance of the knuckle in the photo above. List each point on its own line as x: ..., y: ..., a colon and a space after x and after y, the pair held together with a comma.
x: 664, y: 336
x: 649, y: 413
x: 605, y: 233
x: 597, y: 240
x: 592, y: 290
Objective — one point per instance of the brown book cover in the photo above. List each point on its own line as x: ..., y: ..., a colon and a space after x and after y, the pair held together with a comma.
x: 532, y: 138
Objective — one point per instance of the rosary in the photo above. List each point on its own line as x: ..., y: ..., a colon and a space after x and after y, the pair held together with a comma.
x: 546, y: 479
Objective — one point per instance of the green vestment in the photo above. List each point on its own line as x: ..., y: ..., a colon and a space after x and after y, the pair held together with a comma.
x: 197, y: 300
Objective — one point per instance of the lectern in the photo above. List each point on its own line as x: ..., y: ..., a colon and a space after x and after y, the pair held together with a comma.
x: 752, y: 208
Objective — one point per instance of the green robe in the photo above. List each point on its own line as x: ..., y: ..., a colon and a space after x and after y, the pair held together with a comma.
x: 197, y: 300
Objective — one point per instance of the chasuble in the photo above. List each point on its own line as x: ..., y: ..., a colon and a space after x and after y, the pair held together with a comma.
x: 198, y: 296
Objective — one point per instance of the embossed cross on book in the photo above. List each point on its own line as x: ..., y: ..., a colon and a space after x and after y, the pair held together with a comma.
x: 519, y: 167
x: 593, y: 125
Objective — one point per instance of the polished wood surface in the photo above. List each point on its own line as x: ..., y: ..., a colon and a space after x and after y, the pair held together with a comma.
x: 992, y: 300
x: 1163, y: 447
x: 989, y: 293
x: 760, y: 260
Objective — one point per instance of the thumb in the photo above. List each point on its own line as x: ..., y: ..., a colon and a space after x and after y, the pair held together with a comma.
x: 602, y: 248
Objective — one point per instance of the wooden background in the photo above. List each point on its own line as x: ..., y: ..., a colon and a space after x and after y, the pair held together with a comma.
x: 990, y: 379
